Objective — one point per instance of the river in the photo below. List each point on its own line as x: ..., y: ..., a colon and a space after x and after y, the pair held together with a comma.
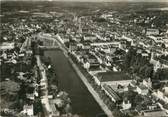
x: 82, y: 101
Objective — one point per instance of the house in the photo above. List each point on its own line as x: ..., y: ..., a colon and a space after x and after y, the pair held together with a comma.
x: 105, y: 49
x: 29, y: 53
x: 150, y: 31
x: 142, y: 45
x: 160, y: 94
x: 30, y: 96
x: 164, y: 63
x: 4, y: 55
x: 28, y: 110
x: 165, y: 44
x: 102, y: 57
x: 147, y: 82
x: 7, y: 46
x: 112, y: 44
x: 91, y: 62
x: 86, y: 65
x: 142, y: 89
x: 133, y: 83
x: 151, y: 110
x: 126, y: 105
x: 54, y: 103
x: 86, y: 45
x: 165, y: 88
x: 80, y: 45
x: 66, y: 39
x: 156, y: 39
x: 89, y: 37
x: 72, y: 46
x: 145, y: 55
x: 127, y: 39
x: 78, y: 56
x: 156, y: 63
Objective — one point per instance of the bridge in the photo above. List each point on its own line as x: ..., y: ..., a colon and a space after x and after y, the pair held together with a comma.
x: 49, y: 43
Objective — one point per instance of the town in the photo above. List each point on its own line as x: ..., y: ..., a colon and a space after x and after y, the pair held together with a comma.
x: 118, y: 51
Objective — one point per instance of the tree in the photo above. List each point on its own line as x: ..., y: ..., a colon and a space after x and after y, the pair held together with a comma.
x: 130, y: 95
x: 138, y: 99
x: 149, y: 71
x: 37, y: 106
x: 117, y: 113
x: 112, y: 105
x: 161, y: 74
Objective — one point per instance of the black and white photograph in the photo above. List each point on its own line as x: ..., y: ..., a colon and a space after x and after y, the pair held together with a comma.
x: 83, y: 58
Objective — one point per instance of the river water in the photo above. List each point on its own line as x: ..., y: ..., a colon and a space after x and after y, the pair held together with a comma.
x: 82, y: 101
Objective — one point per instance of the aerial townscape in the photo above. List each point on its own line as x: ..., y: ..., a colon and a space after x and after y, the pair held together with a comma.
x: 83, y: 59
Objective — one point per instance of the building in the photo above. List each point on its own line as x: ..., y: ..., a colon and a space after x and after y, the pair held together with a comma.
x: 112, y: 44
x: 112, y: 78
x: 154, y: 113
x: 86, y: 45
x: 54, y: 103
x: 7, y: 46
x: 156, y: 63
x: 156, y: 39
x: 30, y: 96
x: 28, y: 110
x: 111, y: 93
x: 73, y: 46
x: 126, y: 105
x: 160, y: 94
x: 89, y: 37
x: 151, y: 110
x: 164, y: 63
x: 151, y: 31
x: 147, y: 82
x: 165, y: 88
x: 127, y: 39
x: 91, y: 62
x: 142, y: 89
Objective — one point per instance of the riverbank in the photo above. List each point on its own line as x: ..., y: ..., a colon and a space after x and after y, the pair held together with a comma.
x: 44, y: 84
x: 82, y: 101
x: 91, y: 90
x: 84, y: 80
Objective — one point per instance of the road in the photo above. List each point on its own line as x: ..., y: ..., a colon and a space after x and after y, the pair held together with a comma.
x: 44, y: 85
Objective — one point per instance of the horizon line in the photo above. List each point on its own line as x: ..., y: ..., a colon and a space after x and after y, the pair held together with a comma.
x: 131, y: 1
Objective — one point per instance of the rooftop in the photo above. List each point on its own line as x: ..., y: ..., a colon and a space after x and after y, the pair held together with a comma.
x: 6, y: 45
x: 142, y: 87
x: 112, y: 76
x: 111, y: 92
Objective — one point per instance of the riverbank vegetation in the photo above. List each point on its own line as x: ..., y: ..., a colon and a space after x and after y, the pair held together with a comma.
x: 136, y: 64
x: 64, y: 103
